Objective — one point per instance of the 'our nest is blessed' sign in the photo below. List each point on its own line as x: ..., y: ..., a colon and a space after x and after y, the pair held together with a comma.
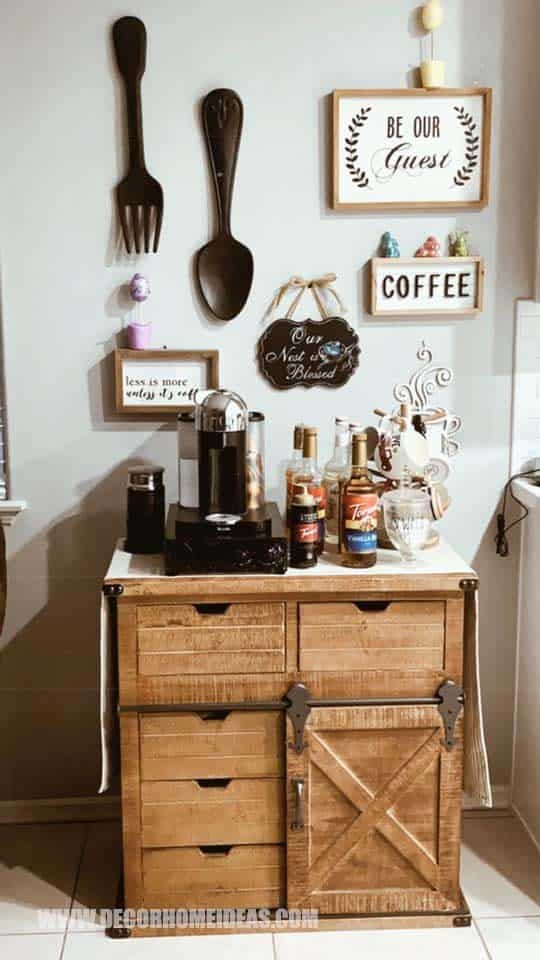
x: 411, y: 148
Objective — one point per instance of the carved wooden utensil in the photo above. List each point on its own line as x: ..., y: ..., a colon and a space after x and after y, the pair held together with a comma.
x: 224, y: 266
x: 139, y: 193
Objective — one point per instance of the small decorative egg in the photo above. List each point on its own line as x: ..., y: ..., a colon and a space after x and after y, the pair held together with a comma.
x: 432, y: 15
x: 139, y: 288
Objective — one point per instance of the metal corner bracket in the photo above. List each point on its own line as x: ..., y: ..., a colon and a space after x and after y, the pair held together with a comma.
x: 113, y: 589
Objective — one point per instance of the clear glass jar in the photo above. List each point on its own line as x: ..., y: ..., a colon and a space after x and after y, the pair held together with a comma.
x: 255, y: 487
x: 407, y: 518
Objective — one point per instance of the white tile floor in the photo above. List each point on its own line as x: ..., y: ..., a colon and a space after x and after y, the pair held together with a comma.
x: 73, y: 866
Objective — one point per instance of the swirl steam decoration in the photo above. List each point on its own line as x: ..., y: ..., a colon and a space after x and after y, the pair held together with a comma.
x: 418, y: 392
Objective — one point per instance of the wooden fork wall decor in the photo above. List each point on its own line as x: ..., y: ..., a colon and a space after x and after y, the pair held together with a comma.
x: 139, y: 196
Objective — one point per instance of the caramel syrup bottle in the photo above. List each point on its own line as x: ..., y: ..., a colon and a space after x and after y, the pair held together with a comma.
x: 292, y: 468
x: 359, y: 505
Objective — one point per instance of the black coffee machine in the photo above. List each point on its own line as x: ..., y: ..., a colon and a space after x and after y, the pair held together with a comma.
x: 223, y: 535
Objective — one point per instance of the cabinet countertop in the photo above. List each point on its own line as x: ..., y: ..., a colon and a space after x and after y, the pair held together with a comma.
x: 437, y: 565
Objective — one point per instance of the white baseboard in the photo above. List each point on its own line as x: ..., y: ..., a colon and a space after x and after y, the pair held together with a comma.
x: 501, y: 798
x: 60, y: 810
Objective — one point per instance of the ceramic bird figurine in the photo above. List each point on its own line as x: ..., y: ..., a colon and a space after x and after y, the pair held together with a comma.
x: 389, y: 246
x: 459, y: 243
x: 430, y: 248
x: 432, y: 70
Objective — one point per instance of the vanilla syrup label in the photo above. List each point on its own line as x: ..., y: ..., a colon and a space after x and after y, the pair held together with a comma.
x: 360, y: 522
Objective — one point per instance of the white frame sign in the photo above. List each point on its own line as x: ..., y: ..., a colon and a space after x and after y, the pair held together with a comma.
x: 426, y: 286
x: 163, y: 382
x: 411, y: 149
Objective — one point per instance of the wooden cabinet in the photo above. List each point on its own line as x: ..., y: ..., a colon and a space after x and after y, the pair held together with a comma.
x: 294, y: 742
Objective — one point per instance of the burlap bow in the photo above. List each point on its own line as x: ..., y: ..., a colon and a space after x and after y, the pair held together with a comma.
x: 318, y: 286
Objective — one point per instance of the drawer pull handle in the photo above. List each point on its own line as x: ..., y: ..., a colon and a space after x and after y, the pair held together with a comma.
x: 216, y: 851
x: 372, y: 606
x: 211, y: 609
x: 208, y: 715
x: 298, y: 787
x: 220, y: 782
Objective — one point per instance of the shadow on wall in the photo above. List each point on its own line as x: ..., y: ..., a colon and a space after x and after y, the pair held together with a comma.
x: 49, y: 671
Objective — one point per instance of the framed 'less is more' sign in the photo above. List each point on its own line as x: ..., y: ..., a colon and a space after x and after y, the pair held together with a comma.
x: 411, y: 149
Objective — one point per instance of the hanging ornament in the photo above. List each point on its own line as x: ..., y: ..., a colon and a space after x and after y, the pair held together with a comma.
x: 432, y: 70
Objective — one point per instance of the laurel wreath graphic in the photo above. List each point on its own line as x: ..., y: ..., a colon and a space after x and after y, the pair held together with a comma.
x: 358, y: 176
x: 472, y: 146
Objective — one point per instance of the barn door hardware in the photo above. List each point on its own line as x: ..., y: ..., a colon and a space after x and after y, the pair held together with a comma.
x: 449, y: 699
x: 298, y: 787
x: 298, y: 711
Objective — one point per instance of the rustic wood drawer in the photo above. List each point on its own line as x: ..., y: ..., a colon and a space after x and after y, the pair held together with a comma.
x: 188, y: 746
x: 210, y: 638
x: 372, y: 636
x: 207, y: 877
x: 187, y: 813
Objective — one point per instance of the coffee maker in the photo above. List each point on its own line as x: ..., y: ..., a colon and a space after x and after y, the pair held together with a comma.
x: 233, y: 530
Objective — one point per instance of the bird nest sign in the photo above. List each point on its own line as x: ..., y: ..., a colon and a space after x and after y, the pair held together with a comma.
x: 410, y: 149
x: 308, y: 353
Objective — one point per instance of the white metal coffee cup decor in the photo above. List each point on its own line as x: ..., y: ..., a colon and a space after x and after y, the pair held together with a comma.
x: 418, y: 435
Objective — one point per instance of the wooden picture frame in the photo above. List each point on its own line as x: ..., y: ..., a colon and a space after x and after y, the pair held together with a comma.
x: 457, y: 281
x: 374, y: 163
x: 178, y: 375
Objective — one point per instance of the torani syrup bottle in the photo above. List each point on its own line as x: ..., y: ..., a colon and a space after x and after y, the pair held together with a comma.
x: 310, y: 474
x: 304, y: 528
x: 359, y: 504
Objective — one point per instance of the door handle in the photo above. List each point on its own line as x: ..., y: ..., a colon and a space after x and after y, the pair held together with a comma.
x: 371, y: 606
x: 298, y: 787
x: 211, y: 609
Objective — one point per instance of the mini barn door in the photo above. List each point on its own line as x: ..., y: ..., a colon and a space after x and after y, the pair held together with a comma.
x: 380, y: 799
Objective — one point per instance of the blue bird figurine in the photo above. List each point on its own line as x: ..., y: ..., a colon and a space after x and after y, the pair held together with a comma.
x: 389, y: 246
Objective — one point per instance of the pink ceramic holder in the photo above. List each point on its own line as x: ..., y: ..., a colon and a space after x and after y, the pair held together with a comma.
x: 139, y: 336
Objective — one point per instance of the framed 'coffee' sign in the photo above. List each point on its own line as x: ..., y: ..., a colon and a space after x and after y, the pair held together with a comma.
x: 308, y: 353
x: 425, y: 286
x: 163, y: 382
x: 411, y: 149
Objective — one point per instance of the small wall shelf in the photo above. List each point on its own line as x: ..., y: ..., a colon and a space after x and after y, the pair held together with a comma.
x: 9, y: 511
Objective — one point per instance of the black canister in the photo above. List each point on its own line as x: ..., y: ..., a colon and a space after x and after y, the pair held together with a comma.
x: 222, y: 420
x: 145, y: 509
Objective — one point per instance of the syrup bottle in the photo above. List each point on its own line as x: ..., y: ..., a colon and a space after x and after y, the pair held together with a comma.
x: 359, y: 505
x: 304, y: 528
x: 336, y: 470
x: 309, y: 473
x: 292, y: 468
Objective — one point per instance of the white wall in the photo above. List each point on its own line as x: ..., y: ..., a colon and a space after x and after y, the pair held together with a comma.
x: 60, y: 159
x: 526, y: 766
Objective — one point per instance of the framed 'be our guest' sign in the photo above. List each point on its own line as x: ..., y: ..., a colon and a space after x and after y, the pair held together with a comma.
x: 424, y: 286
x: 411, y: 149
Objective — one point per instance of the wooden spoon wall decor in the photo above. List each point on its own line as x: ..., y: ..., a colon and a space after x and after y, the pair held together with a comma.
x: 224, y: 266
